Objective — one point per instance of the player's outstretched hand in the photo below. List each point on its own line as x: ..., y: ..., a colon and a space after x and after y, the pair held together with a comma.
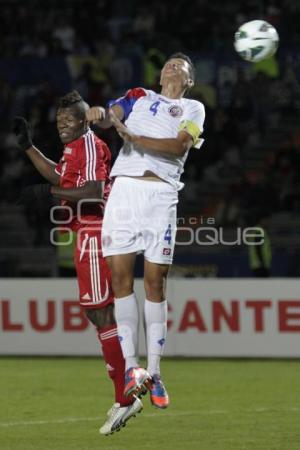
x: 21, y: 129
x: 95, y: 114
x: 122, y: 130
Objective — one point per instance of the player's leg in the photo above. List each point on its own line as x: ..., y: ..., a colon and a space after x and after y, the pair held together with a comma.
x: 106, y: 327
x: 127, y: 317
x: 156, y: 312
x: 96, y: 297
x: 123, y: 408
x: 159, y: 236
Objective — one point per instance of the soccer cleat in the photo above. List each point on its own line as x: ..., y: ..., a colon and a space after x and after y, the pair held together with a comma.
x: 158, y: 393
x: 144, y: 390
x: 137, y: 381
x: 118, y: 416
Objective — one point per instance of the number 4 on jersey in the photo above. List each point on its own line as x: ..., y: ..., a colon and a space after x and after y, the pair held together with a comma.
x: 154, y: 107
x: 168, y: 234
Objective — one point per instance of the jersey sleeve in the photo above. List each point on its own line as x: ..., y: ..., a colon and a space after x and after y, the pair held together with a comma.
x: 128, y: 100
x: 95, y: 164
x: 192, y: 122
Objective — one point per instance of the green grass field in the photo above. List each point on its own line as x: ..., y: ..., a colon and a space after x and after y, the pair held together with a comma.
x: 58, y: 404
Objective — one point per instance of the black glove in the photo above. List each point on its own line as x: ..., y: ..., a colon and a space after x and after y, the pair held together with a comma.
x: 21, y: 129
x: 36, y: 197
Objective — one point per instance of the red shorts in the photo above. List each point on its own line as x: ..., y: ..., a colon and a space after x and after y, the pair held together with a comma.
x: 93, y: 274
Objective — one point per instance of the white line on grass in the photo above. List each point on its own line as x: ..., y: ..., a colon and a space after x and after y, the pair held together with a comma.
x: 157, y: 414
x: 48, y: 422
x: 90, y: 419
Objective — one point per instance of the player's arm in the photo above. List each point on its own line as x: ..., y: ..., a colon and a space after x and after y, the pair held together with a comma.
x: 121, y: 108
x: 99, y: 116
x: 93, y: 190
x: 171, y: 147
x: 44, y: 165
x: 175, y: 147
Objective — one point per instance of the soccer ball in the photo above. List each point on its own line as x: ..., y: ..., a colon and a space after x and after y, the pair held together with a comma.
x: 256, y: 40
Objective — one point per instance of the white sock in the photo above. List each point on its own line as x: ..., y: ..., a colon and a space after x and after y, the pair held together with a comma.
x: 156, y: 331
x: 127, y: 318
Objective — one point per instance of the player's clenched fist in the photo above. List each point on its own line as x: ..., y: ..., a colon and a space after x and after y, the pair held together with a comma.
x: 95, y: 114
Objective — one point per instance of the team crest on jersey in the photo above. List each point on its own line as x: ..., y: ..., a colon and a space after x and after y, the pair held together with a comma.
x: 68, y: 150
x: 175, y: 111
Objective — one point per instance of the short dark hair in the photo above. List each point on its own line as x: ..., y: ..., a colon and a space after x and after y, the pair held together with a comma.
x: 73, y: 99
x: 186, y: 58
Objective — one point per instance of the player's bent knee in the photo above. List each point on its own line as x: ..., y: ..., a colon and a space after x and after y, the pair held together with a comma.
x: 155, y: 289
x: 122, y: 285
x: 101, y: 317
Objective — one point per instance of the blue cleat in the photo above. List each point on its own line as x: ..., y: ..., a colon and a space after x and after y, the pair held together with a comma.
x: 158, y: 393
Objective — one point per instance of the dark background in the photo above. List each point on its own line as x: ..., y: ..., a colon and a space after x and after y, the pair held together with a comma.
x: 246, y: 171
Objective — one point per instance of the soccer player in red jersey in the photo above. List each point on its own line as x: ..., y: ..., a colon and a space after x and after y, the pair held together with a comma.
x: 81, y: 181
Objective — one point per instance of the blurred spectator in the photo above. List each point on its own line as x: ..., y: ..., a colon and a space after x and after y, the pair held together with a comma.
x: 65, y: 33
x: 260, y: 89
x: 260, y: 252
x: 153, y: 62
x: 144, y: 22
x: 259, y: 195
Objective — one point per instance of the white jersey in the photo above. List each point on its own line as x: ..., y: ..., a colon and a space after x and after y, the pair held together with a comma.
x: 153, y: 115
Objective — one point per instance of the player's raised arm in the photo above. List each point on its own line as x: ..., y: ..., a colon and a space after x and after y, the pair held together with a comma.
x: 99, y: 116
x: 121, y: 108
x: 44, y: 165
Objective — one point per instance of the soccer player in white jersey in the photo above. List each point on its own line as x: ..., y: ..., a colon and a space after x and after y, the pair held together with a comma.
x: 140, y: 216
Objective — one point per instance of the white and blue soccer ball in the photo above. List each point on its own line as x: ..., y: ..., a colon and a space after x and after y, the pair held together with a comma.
x: 256, y: 40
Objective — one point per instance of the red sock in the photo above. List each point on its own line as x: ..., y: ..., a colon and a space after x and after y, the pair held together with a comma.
x: 115, y: 363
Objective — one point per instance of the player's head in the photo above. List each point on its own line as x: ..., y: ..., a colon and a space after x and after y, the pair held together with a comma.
x: 178, y: 68
x: 70, y: 117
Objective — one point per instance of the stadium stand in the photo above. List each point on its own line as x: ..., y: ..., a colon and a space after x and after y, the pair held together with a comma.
x: 248, y: 166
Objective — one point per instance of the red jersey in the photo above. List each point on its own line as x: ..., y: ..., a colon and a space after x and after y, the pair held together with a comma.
x: 87, y: 158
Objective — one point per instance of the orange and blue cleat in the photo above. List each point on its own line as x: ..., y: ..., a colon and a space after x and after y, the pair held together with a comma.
x: 158, y: 393
x: 137, y: 381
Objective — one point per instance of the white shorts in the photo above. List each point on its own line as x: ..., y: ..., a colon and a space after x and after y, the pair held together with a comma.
x: 140, y: 216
